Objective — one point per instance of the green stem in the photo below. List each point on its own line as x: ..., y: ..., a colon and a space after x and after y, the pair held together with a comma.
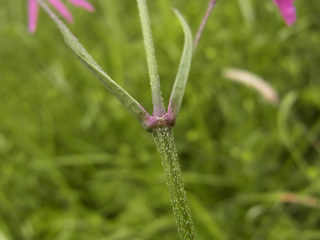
x: 158, y: 106
x: 164, y: 140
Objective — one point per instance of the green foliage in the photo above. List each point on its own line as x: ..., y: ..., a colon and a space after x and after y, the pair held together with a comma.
x: 126, y: 99
x: 76, y: 165
x: 184, y: 69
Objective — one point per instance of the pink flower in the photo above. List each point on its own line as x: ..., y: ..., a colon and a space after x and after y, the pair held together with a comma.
x: 287, y: 10
x: 33, y: 10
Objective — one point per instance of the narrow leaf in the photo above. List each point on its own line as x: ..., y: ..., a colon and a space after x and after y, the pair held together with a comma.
x: 157, y: 101
x: 124, y: 97
x: 184, y: 69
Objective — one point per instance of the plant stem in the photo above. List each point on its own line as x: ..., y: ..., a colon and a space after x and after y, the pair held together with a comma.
x: 158, y: 106
x: 164, y: 140
x: 211, y: 5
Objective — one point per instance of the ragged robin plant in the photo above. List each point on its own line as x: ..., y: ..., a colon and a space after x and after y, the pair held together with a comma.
x: 161, y: 122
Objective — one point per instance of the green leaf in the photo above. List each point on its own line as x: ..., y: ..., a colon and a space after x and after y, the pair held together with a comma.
x: 157, y: 101
x: 124, y: 97
x: 184, y: 69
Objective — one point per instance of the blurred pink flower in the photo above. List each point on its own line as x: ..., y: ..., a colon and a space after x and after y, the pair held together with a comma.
x: 287, y: 10
x: 33, y: 10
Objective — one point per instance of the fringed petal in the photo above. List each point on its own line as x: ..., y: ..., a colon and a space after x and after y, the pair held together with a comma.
x: 287, y: 10
x: 83, y: 4
x: 33, y: 12
x: 61, y: 9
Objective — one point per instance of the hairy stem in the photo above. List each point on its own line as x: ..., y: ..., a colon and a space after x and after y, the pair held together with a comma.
x: 158, y: 106
x: 164, y: 140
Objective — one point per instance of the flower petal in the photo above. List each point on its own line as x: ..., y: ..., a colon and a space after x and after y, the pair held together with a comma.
x: 62, y: 9
x: 287, y: 10
x: 83, y: 4
x: 33, y: 12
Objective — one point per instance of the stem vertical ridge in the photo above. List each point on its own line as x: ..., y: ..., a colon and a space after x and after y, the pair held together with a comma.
x: 164, y: 140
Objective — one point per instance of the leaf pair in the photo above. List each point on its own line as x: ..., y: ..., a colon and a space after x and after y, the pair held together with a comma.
x: 123, y: 96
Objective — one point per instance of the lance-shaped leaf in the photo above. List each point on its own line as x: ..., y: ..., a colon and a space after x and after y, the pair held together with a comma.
x: 184, y: 69
x: 157, y: 101
x: 124, y: 97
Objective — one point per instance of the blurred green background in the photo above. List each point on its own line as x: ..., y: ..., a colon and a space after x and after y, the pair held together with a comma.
x: 75, y: 165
